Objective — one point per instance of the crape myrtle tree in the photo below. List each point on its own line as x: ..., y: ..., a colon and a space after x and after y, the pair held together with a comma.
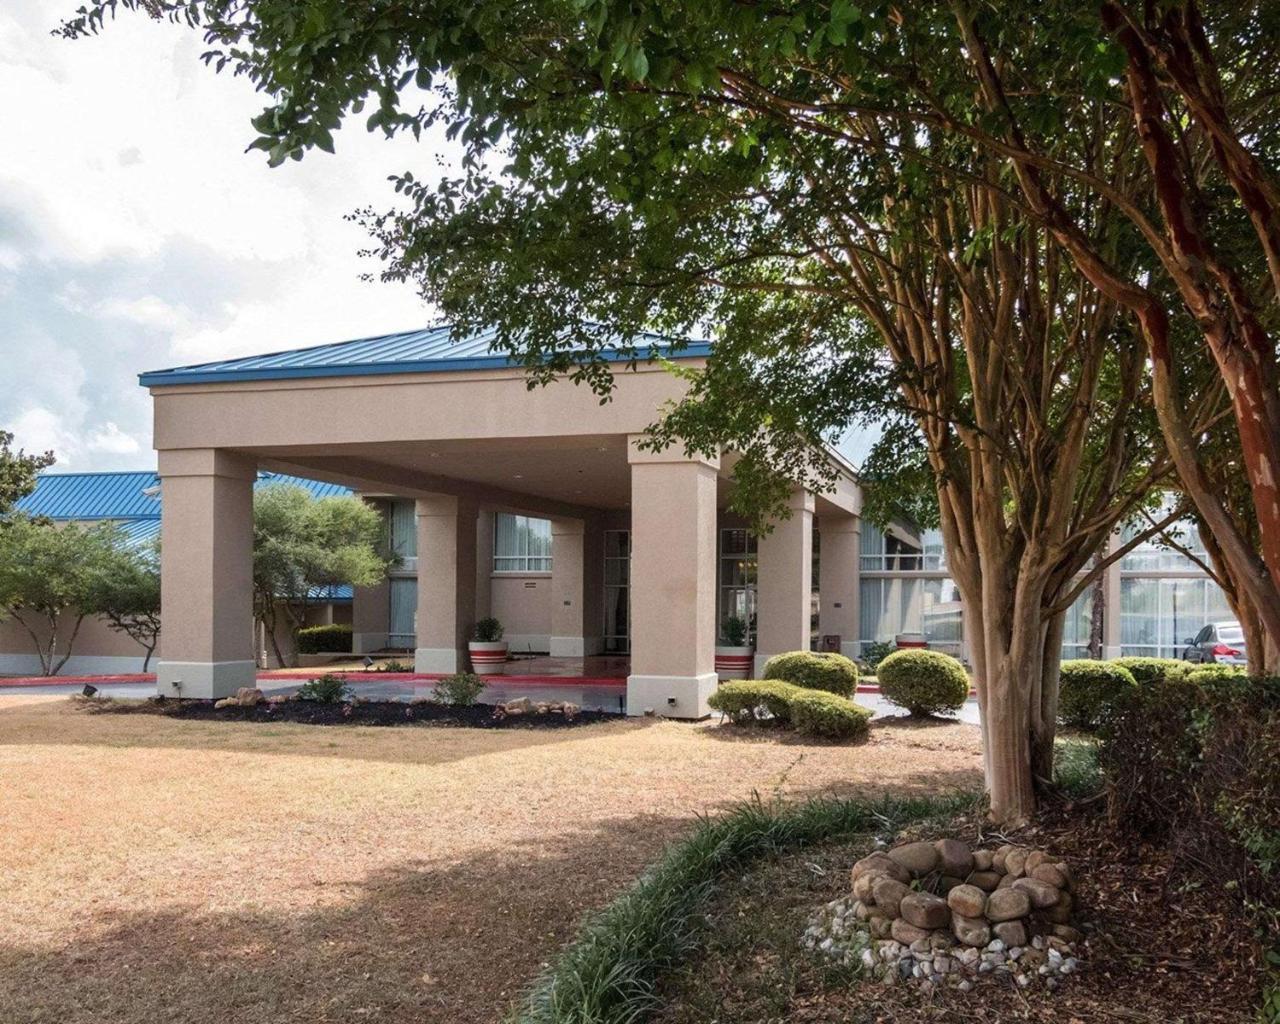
x: 130, y: 596
x: 18, y: 472
x: 303, y: 546
x: 670, y: 166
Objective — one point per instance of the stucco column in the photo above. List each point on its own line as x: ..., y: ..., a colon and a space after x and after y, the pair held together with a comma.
x: 838, y: 586
x: 575, y: 630
x: 484, y: 563
x: 206, y: 573
x: 446, y: 582
x: 784, y: 591
x: 673, y: 583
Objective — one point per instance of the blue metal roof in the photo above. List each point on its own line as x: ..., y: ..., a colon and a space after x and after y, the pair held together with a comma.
x: 123, y: 496
x: 425, y: 351
x: 93, y: 496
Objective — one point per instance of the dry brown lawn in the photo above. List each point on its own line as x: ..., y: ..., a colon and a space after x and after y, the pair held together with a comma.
x: 206, y: 873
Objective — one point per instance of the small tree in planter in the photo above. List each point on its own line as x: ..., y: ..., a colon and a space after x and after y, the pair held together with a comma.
x: 487, y: 648
x: 733, y: 658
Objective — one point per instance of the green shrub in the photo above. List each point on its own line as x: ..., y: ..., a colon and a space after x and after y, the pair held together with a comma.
x: 923, y: 682
x: 875, y: 652
x: 1146, y: 671
x: 814, y: 671
x: 1200, y: 675
x: 459, y: 691
x: 395, y: 666
x: 735, y: 631
x: 328, y: 689
x: 487, y: 631
x: 323, y: 639
x: 753, y: 700
x: 818, y: 713
x: 1089, y: 691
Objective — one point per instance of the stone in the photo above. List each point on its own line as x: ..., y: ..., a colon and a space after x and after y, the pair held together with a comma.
x: 1006, y: 881
x: 918, y: 858
x: 965, y: 986
x: 925, y: 910
x: 1060, y: 912
x: 985, y: 880
x: 888, y: 894
x: 942, y: 964
x: 1008, y: 905
x: 570, y: 710
x: 863, y: 886
x: 1033, y: 958
x: 1034, y: 859
x: 278, y: 698
x: 518, y: 706
x: 881, y: 927
x: 249, y: 696
x: 883, y: 865
x: 1015, y: 861
x: 972, y: 931
x: 1068, y: 934
x: 1011, y: 933
x: 954, y: 857
x: 225, y: 702
x: 982, y: 860
x: 905, y: 932
x: 939, y: 941
x: 542, y: 707
x: 860, y: 911
x: 967, y: 901
x: 921, y: 947
x: 946, y: 883
x: 1042, y: 894
x: 999, y: 857
x: 1050, y: 874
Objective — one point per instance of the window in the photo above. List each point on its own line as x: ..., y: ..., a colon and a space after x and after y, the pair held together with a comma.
x: 1158, y: 616
x: 891, y: 551
x: 1077, y: 626
x: 617, y: 586
x: 404, y: 529
x: 401, y: 628
x: 521, y: 543
x: 890, y: 606
x: 738, y: 572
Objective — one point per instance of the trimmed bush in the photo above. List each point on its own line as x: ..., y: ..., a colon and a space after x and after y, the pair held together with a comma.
x: 1146, y: 671
x: 923, y: 682
x: 1089, y: 691
x: 1202, y: 675
x: 323, y: 639
x: 814, y: 671
x: 818, y: 713
x: 487, y: 631
x: 753, y: 700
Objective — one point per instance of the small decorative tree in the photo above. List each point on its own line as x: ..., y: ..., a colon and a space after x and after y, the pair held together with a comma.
x: 130, y: 598
x: 51, y: 577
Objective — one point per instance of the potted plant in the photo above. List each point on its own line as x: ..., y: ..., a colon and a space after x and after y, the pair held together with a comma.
x: 487, y: 648
x: 733, y: 660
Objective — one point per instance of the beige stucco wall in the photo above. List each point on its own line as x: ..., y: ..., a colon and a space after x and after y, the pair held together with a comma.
x: 523, y: 605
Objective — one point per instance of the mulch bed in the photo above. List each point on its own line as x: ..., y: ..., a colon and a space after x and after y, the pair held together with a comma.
x: 306, y: 712
x: 1159, y: 950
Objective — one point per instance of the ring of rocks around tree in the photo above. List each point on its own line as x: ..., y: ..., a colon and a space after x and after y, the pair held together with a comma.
x: 943, y: 913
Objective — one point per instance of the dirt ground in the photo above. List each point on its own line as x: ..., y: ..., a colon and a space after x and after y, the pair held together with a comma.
x: 164, y: 870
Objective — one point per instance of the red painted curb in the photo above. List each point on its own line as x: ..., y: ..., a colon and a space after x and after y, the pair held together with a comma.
x: 355, y: 678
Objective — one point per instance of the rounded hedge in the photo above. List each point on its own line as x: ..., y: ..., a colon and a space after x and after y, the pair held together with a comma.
x: 1200, y: 675
x: 1146, y: 671
x: 818, y: 713
x: 814, y: 671
x: 923, y: 682
x: 753, y: 700
x: 1088, y: 691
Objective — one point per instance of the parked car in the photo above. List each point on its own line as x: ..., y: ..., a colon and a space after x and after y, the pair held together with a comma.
x: 1219, y: 643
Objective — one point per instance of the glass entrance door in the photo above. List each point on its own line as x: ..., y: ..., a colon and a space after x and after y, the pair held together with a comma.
x: 617, y: 591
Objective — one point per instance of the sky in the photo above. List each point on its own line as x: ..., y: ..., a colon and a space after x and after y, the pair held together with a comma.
x: 136, y: 233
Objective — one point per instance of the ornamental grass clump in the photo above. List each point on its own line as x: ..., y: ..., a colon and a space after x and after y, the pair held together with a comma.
x: 814, y: 671
x: 923, y: 682
x: 1089, y: 692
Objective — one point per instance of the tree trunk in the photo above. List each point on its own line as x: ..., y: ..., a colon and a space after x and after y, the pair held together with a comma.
x: 146, y: 661
x: 71, y: 642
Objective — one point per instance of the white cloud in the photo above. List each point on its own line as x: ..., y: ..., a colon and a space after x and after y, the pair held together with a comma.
x: 136, y: 233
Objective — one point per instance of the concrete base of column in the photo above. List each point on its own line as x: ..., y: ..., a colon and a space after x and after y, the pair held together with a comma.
x: 576, y: 646
x: 438, y: 659
x: 671, y: 696
x: 1111, y: 652
x: 204, y: 680
x: 850, y: 649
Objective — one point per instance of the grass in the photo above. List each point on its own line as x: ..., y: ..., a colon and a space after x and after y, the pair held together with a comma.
x: 1076, y: 770
x: 610, y: 974
x: 164, y: 870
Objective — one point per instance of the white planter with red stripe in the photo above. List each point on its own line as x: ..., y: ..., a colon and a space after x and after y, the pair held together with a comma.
x: 487, y: 657
x: 734, y: 662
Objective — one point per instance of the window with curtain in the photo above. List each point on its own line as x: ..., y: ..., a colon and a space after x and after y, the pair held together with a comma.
x: 404, y: 529
x: 890, y: 606
x: 401, y: 628
x: 521, y: 543
x: 1157, y: 616
x: 738, y: 570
